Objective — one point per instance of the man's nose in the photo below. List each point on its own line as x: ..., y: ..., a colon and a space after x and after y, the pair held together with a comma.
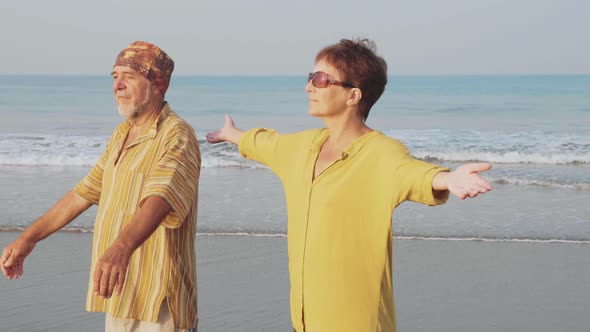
x: 118, y: 84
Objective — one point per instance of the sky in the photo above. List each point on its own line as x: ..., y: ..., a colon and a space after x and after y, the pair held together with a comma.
x: 277, y: 37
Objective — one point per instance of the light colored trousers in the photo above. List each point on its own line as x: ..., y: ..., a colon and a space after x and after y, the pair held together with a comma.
x: 164, y: 324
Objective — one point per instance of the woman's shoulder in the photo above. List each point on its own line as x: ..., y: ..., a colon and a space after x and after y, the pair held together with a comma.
x: 383, y: 141
x: 308, y: 135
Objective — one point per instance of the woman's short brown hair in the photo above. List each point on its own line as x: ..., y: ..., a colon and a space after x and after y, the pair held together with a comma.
x: 358, y: 64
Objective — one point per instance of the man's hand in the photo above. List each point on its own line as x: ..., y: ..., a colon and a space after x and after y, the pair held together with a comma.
x: 13, y: 257
x: 464, y: 181
x: 59, y: 215
x: 110, y: 270
x: 228, y: 133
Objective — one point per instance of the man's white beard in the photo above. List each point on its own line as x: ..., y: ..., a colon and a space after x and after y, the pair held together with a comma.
x: 132, y: 111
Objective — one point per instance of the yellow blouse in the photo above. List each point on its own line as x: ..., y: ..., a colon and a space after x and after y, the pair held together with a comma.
x: 339, y: 224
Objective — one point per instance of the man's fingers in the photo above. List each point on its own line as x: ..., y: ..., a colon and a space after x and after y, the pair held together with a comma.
x: 13, y: 258
x: 120, y: 282
x: 15, y: 273
x: 19, y: 269
x: 104, y: 283
x: 6, y: 272
x: 9, y: 259
x: 97, y: 276
x: 3, y: 265
x: 9, y: 264
x: 5, y: 255
x: 111, y: 284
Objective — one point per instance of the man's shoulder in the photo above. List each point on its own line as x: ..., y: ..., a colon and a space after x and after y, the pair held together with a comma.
x: 174, y: 125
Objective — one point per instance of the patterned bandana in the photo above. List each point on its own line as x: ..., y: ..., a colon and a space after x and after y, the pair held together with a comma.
x: 148, y: 60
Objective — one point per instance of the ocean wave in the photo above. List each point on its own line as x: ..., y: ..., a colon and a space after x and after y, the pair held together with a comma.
x: 540, y: 183
x: 63, y: 150
x: 496, y: 146
x: 210, y: 161
x: 50, y: 150
x: 57, y: 160
x: 484, y: 239
x: 509, y: 157
x: 65, y: 229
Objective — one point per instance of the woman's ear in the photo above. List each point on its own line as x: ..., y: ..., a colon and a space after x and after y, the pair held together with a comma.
x: 354, y: 97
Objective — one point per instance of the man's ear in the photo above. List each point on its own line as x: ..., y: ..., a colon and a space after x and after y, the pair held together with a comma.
x: 156, y: 91
x: 354, y: 97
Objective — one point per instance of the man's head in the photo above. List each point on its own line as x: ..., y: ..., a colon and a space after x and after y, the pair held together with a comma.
x: 359, y: 65
x: 141, y: 75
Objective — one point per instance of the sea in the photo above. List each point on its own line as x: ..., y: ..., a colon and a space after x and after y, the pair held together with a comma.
x: 535, y: 130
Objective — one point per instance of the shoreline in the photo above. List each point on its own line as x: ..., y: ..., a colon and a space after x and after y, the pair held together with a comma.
x: 400, y: 237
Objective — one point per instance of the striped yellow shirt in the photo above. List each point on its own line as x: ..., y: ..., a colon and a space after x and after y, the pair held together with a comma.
x: 163, y: 162
x: 339, y: 224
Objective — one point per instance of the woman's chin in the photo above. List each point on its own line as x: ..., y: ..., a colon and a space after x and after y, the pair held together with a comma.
x: 313, y: 112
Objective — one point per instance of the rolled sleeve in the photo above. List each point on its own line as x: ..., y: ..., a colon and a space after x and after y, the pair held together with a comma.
x: 175, y: 178
x: 422, y: 191
x: 261, y: 145
x: 90, y: 187
x: 415, y: 177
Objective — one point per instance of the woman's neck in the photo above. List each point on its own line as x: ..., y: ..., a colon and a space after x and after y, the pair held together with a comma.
x: 343, y: 131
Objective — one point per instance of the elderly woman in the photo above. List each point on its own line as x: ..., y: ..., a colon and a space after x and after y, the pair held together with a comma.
x: 342, y: 184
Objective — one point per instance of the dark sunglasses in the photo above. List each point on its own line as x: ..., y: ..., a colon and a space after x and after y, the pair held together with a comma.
x: 319, y: 79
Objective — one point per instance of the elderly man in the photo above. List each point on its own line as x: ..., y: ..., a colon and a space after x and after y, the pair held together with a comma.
x: 143, y: 272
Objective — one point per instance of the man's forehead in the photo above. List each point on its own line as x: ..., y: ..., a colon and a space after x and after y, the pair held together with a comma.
x: 124, y: 70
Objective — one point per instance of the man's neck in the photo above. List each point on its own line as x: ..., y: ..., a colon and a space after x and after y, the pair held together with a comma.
x: 144, y: 120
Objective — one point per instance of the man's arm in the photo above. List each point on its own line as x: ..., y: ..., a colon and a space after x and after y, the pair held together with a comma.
x: 464, y: 181
x: 111, y: 268
x: 229, y: 133
x: 62, y: 213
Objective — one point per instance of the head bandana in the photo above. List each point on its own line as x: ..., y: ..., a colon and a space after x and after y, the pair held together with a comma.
x: 148, y: 60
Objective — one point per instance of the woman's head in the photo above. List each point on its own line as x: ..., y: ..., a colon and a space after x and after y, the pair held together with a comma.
x: 360, y: 66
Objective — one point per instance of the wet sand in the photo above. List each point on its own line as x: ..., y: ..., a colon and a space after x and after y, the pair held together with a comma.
x: 243, y: 286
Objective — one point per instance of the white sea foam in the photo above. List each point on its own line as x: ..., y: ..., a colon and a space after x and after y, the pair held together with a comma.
x: 540, y: 183
x: 63, y: 150
x: 496, y: 146
x: 508, y: 157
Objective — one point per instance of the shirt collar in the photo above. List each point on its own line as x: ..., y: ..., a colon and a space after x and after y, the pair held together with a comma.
x: 352, y: 149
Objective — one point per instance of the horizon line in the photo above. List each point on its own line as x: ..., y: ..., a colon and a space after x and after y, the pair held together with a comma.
x: 300, y: 75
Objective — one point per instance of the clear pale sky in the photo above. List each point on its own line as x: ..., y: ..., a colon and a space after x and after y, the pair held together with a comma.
x: 266, y: 37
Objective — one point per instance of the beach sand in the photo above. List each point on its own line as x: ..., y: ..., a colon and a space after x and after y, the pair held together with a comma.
x: 440, y: 285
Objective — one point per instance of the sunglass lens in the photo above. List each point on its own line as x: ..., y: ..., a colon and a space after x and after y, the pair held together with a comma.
x: 319, y: 79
